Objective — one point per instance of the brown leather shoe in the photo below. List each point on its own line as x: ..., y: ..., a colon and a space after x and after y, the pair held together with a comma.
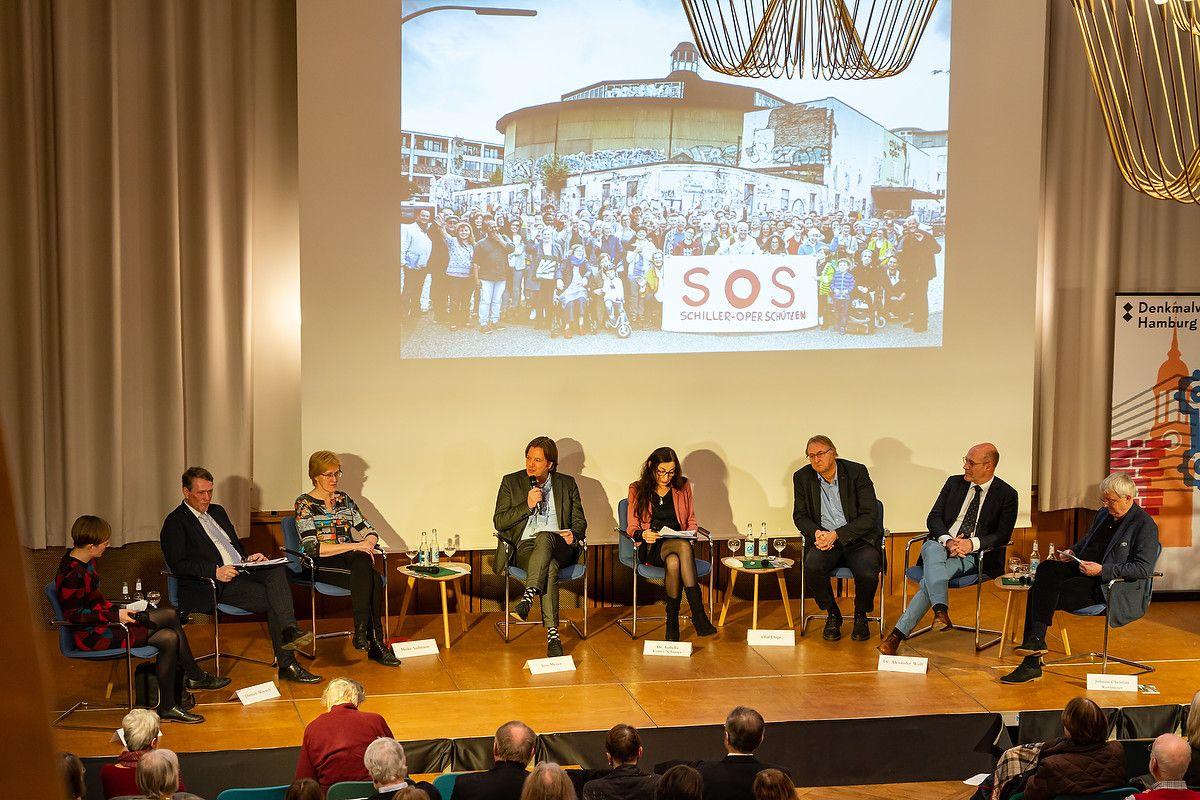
x: 891, y: 644
x: 941, y: 620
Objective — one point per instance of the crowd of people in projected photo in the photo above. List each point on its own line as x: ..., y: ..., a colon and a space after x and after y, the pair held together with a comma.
x: 354, y: 749
x: 579, y: 274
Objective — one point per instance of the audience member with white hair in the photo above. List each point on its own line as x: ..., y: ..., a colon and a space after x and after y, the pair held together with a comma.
x: 158, y: 777
x: 1191, y: 775
x: 335, y: 742
x: 141, y: 732
x: 1170, y: 756
x: 388, y: 767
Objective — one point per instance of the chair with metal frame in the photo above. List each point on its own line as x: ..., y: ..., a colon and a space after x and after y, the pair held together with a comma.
x: 977, y: 578
x: 299, y: 561
x: 627, y: 555
x: 504, y: 565
x: 66, y: 645
x: 1102, y: 610
x: 219, y: 608
x: 843, y: 573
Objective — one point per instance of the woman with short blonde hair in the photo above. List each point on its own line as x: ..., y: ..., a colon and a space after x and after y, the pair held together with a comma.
x: 548, y: 781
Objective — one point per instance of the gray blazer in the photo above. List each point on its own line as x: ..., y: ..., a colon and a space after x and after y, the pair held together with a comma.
x: 1129, y: 559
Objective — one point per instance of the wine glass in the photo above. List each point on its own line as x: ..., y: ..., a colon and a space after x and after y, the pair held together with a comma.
x: 779, y: 545
x: 152, y: 597
x: 735, y: 546
x: 450, y: 547
x: 1014, y: 565
x: 410, y: 550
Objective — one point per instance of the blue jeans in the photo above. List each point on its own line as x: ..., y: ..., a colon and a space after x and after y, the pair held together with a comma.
x: 939, y: 569
x: 491, y: 295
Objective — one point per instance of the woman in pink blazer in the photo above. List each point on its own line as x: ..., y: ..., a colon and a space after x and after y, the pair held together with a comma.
x: 662, y: 498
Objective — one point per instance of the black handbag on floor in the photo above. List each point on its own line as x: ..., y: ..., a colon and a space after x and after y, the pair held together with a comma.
x: 145, y: 688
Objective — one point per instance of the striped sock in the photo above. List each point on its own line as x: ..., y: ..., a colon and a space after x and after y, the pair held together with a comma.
x: 551, y: 633
x: 530, y: 593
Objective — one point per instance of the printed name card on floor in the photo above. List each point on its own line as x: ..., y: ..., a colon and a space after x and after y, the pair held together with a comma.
x: 1099, y: 682
x: 258, y: 693
x: 419, y: 647
x: 784, y: 638
x: 913, y: 664
x: 544, y: 666
x: 659, y: 648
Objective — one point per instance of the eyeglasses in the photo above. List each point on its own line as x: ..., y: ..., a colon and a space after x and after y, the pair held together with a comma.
x: 818, y: 454
x: 972, y: 464
x: 665, y: 473
x: 337, y: 474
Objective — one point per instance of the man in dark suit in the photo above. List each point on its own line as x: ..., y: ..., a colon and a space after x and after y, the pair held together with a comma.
x: 732, y: 778
x: 918, y: 268
x: 973, y: 512
x: 623, y: 750
x: 388, y: 767
x: 199, y: 540
x: 512, y: 750
x: 1121, y: 545
x: 835, y: 510
x: 540, y: 516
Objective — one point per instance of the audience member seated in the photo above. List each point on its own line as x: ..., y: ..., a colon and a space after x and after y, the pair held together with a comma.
x: 1170, y: 757
x: 70, y: 774
x: 773, y: 784
x: 388, y: 767
x: 141, y: 732
x: 732, y: 778
x: 623, y: 751
x: 1082, y: 761
x: 158, y: 777
x: 306, y: 789
x: 512, y: 750
x: 335, y: 742
x: 548, y: 781
x: 1193, y: 736
x: 680, y: 782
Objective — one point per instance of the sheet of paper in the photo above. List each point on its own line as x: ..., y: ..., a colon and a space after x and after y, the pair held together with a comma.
x: 975, y: 780
x: 137, y: 605
x: 768, y: 638
x: 419, y: 647
x: 913, y: 664
x: 270, y: 562
x: 544, y: 666
x: 1104, y: 682
x: 659, y: 648
x: 258, y: 693
x: 667, y: 533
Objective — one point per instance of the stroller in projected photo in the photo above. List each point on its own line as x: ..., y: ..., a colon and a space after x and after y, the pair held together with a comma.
x: 866, y: 311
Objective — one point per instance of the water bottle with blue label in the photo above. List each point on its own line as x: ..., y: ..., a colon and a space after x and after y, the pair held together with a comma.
x: 762, y: 542
x: 749, y: 540
x: 1034, y: 558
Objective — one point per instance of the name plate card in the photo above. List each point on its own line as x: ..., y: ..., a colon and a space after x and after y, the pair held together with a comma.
x: 659, y: 648
x: 914, y: 664
x: 783, y: 638
x: 420, y: 647
x: 258, y: 693
x: 544, y: 666
x: 1099, y: 682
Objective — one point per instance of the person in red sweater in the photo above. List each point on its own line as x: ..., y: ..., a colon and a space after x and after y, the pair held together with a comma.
x: 140, y: 731
x: 1169, y: 760
x: 335, y: 742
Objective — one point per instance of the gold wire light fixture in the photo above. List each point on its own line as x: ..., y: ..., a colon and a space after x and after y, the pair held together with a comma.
x: 832, y: 39
x: 1144, y: 60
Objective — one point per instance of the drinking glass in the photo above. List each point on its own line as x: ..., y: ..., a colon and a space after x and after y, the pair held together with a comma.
x: 735, y: 545
x: 1014, y: 565
x: 152, y: 597
x: 410, y: 550
x: 450, y: 547
x: 779, y: 544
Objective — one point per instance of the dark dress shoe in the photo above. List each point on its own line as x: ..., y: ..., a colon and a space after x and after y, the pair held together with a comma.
x: 1032, y: 647
x: 297, y: 674
x: 521, y: 612
x: 833, y: 626
x: 177, y: 714
x: 554, y: 648
x: 381, y: 654
x: 206, y: 683
x: 941, y: 620
x: 891, y: 645
x: 862, y: 628
x: 1028, y: 670
x: 362, y: 635
x: 294, y: 638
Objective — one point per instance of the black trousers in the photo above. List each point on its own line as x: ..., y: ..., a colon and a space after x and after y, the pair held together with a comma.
x: 264, y: 591
x: 414, y: 284
x: 1058, y: 585
x: 862, y: 557
x: 918, y: 302
x: 366, y: 589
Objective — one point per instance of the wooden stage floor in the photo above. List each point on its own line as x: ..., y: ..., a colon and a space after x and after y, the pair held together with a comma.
x: 480, y: 682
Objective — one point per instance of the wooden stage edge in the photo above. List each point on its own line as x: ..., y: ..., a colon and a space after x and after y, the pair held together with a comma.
x: 480, y: 682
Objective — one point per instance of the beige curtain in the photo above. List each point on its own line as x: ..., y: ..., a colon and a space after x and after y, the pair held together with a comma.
x: 1099, y: 237
x: 126, y: 157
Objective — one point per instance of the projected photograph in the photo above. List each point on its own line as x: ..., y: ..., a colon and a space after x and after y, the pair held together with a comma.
x: 579, y: 182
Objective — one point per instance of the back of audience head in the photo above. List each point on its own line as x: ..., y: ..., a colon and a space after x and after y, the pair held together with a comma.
x: 773, y: 784
x: 158, y: 774
x: 343, y: 690
x: 304, y: 789
x: 141, y: 729
x: 410, y: 793
x: 70, y: 774
x: 623, y: 745
x: 1084, y: 722
x: 385, y: 761
x: 680, y: 782
x: 1193, y: 722
x: 744, y: 728
x: 514, y: 742
x: 1170, y: 756
x: 548, y: 781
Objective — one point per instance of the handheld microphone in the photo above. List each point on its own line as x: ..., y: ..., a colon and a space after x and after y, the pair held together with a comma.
x: 540, y: 508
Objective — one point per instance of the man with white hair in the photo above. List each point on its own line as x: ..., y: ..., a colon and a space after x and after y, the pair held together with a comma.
x: 918, y: 268
x: 388, y: 767
x: 1169, y: 759
x: 743, y: 245
x: 1121, y: 545
x: 333, y: 745
x: 158, y: 776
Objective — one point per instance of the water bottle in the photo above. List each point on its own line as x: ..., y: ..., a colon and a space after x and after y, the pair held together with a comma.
x: 137, y: 590
x: 1034, y: 560
x: 125, y: 590
x: 749, y: 540
x: 1050, y: 552
x: 763, y: 542
x: 434, y: 551
x: 423, y: 553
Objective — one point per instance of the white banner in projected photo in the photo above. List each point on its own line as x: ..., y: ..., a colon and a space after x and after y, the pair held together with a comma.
x: 551, y: 187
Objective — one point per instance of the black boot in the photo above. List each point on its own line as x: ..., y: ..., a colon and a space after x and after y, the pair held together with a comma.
x: 362, y: 635
x: 379, y: 652
x: 1030, y: 669
x: 672, y: 633
x: 699, y: 613
x: 833, y: 624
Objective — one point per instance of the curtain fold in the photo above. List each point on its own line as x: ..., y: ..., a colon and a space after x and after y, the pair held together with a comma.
x: 1099, y: 237
x: 127, y: 155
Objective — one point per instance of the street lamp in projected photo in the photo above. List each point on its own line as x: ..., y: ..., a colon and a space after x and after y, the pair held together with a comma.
x: 483, y: 11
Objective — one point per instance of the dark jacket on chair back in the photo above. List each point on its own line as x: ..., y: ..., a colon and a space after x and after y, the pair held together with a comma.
x: 504, y: 781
